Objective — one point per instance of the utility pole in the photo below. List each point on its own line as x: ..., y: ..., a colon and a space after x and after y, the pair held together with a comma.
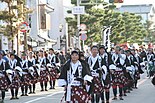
x: 11, y: 29
x: 78, y: 25
x: 25, y: 41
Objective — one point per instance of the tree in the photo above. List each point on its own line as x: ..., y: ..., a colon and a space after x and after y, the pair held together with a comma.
x: 125, y: 26
x: 150, y: 31
x: 13, y: 16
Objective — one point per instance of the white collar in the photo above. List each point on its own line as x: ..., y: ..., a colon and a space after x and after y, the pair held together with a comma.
x: 103, y: 55
x: 74, y: 65
x: 52, y: 55
x: 31, y: 59
x: 94, y: 58
x: 41, y: 58
x: 23, y: 61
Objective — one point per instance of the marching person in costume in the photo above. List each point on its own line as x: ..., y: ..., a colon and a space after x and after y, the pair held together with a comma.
x: 136, y: 62
x: 53, y: 61
x: 107, y: 81
x: 75, y: 75
x: 98, y: 70
x: 3, y: 76
x: 14, y: 77
x: 25, y: 64
x: 33, y: 70
x: 150, y: 63
x: 118, y: 70
x: 36, y: 74
x: 43, y: 61
x: 54, y: 74
x: 129, y: 75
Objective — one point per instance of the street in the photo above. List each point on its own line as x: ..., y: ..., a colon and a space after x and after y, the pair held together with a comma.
x: 144, y: 94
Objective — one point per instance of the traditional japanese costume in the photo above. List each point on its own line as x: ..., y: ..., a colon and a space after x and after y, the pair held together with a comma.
x: 73, y: 76
x: 98, y: 71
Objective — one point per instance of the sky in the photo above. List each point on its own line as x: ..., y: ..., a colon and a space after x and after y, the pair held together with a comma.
x: 139, y: 1
x: 132, y: 2
x: 126, y: 2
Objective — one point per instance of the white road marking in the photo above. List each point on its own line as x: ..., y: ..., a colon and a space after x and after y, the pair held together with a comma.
x: 43, y: 97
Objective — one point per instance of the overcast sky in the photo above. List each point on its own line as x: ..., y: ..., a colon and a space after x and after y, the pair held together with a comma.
x: 67, y: 2
x: 137, y: 2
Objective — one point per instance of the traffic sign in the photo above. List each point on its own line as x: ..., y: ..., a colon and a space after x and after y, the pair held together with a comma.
x: 83, y: 27
x: 78, y: 10
x: 23, y: 27
x: 83, y: 37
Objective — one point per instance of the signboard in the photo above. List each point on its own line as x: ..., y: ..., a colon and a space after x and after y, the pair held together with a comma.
x: 24, y: 27
x: 83, y: 37
x: 78, y: 10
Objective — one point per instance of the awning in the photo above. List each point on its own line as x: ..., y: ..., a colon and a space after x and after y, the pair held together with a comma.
x: 37, y: 38
x: 47, y: 7
x: 47, y: 38
x: 44, y: 35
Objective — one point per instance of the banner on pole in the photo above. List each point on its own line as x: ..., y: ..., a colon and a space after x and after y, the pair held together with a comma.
x: 106, y: 38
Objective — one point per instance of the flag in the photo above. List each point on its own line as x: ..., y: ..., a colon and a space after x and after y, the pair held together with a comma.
x: 106, y: 38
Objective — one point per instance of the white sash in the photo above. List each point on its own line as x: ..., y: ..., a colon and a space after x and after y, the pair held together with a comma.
x: 122, y: 60
x: 12, y: 63
x: 23, y: 62
x: 51, y: 57
x: 41, y: 61
x: 149, y: 57
x: 32, y: 60
x: 89, y: 62
x: 114, y: 58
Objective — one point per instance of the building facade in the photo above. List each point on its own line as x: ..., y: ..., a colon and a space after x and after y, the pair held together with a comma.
x: 47, y: 25
x: 146, y: 11
x: 39, y: 23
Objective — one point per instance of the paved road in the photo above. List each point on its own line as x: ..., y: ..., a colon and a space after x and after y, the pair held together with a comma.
x: 144, y: 94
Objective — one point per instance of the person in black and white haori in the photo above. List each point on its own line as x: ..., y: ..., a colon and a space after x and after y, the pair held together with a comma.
x: 150, y: 62
x: 107, y: 80
x: 117, y: 68
x: 34, y: 73
x: 99, y: 71
x: 3, y: 76
x: 75, y: 77
x: 15, y: 80
x: 137, y: 67
x: 43, y: 61
x: 26, y: 76
x: 54, y: 61
x: 130, y: 72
